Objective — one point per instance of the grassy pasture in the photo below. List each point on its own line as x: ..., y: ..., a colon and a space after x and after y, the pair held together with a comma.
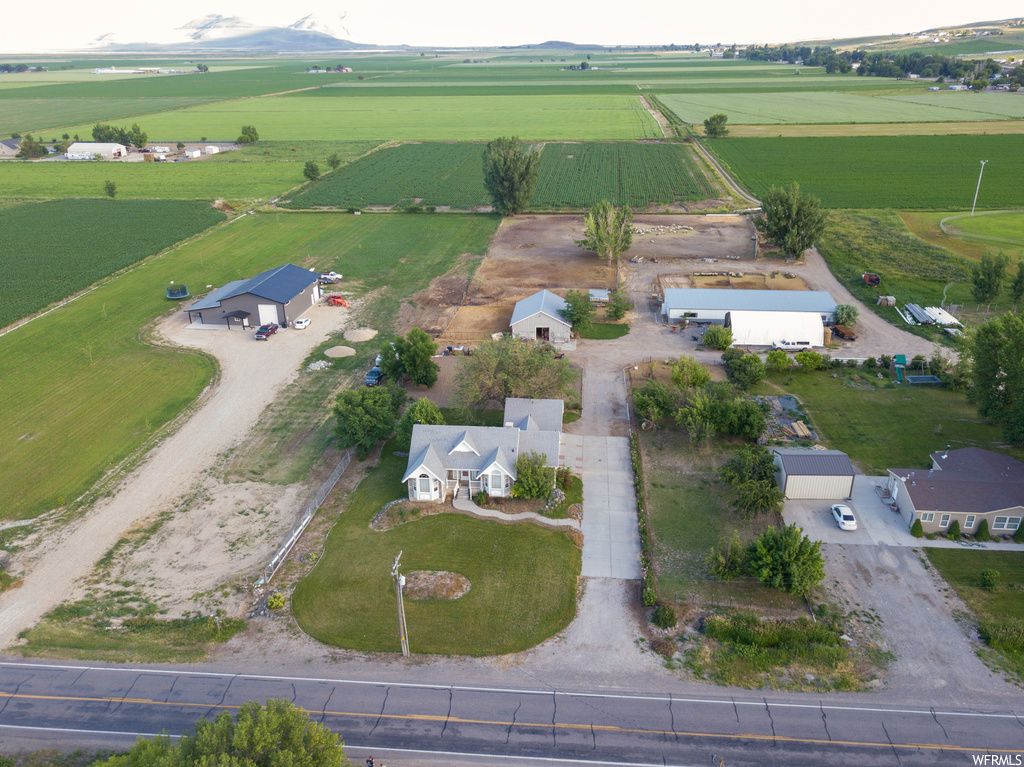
x: 878, y: 129
x: 45, y: 116
x: 532, y: 118
x: 572, y: 175
x: 997, y: 105
x: 1000, y: 230
x: 52, y: 250
x: 523, y: 579
x: 905, y: 172
x: 82, y: 391
x: 264, y: 170
x: 823, y: 107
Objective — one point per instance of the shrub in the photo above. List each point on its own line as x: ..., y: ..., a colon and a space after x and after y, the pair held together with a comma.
x: 953, y: 533
x: 688, y: 373
x: 778, y: 361
x: 885, y: 361
x: 563, y: 477
x: 730, y: 562
x: 917, y: 529
x: 990, y: 579
x: 654, y: 400
x: 275, y: 601
x: 870, y: 363
x: 718, y: 337
x: 664, y: 647
x: 745, y: 370
x: 664, y: 617
x: 533, y: 478
x: 1018, y: 537
x: 480, y: 499
x: 809, y: 360
x: 846, y: 314
x: 983, y: 534
x: 785, y: 559
x: 617, y: 306
x: 1005, y: 635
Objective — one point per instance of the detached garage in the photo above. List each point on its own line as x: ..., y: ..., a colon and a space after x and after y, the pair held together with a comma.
x: 766, y: 328
x: 805, y: 473
x: 277, y: 295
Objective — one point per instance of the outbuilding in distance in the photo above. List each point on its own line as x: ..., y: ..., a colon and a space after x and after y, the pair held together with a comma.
x: 767, y: 328
x: 808, y: 473
x: 711, y: 305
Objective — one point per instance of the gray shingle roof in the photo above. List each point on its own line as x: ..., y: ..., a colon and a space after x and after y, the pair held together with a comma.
x: 544, y: 302
x: 818, y: 463
x: 545, y: 414
x: 749, y: 300
x: 969, y: 480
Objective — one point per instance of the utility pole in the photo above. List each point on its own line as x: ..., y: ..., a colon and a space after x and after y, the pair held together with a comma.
x: 979, y: 186
x: 399, y: 583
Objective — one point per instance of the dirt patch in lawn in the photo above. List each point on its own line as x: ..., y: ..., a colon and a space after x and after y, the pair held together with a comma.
x: 340, y: 351
x: 436, y: 584
x: 357, y: 335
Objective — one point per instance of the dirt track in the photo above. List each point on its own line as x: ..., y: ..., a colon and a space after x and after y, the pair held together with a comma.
x: 252, y: 374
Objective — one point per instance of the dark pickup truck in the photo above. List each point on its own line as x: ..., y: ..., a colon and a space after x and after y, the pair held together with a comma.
x: 843, y: 332
x: 266, y: 331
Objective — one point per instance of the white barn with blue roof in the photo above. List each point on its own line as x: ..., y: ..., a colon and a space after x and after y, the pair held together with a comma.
x: 279, y: 295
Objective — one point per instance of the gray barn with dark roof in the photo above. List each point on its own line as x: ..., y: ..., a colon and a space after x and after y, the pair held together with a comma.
x: 278, y: 295
x: 805, y: 473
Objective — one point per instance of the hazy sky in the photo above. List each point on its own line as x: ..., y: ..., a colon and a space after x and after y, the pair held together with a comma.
x: 26, y: 27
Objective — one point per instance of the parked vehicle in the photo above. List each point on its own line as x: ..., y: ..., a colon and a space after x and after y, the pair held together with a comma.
x: 302, y: 323
x: 374, y: 377
x: 843, y: 332
x: 843, y: 515
x: 266, y: 331
x: 792, y: 346
x: 336, y: 301
x: 330, y: 278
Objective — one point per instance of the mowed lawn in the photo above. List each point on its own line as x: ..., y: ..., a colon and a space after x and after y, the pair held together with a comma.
x: 897, y: 427
x: 999, y: 229
x: 902, y: 172
x: 523, y: 579
x: 82, y: 389
x: 424, y: 118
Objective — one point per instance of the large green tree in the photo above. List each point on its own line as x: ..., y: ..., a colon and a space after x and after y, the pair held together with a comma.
x: 714, y: 126
x: 30, y: 149
x: 1017, y: 286
x: 987, y: 277
x: 997, y: 349
x: 510, y: 367
x: 422, y: 411
x: 367, y: 415
x: 791, y: 220
x: 410, y: 358
x: 786, y: 560
x: 276, y: 735
x: 579, y: 310
x: 510, y: 174
x: 608, y: 231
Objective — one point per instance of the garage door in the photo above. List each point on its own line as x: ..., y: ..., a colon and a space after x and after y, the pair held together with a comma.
x: 268, y: 313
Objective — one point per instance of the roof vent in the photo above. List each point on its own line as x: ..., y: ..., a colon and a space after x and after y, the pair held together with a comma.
x: 509, y: 425
x: 946, y: 454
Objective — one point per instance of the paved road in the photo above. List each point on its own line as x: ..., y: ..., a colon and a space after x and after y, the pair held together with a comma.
x: 417, y: 723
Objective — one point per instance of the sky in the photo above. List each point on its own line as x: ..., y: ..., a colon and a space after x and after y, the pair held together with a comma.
x: 29, y: 28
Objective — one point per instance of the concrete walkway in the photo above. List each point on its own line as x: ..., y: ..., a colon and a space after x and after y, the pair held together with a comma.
x: 611, y: 536
x: 468, y: 507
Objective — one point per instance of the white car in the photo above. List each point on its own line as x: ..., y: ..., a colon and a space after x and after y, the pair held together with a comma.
x: 302, y: 323
x: 843, y: 515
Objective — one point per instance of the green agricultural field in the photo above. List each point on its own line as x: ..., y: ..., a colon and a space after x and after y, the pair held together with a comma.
x: 807, y: 107
x: 904, y: 172
x: 573, y: 175
x: 415, y: 118
x: 995, y: 105
x: 523, y: 579
x: 49, y: 251
x: 580, y: 175
x: 46, y: 117
x: 82, y: 389
x: 1000, y: 230
x: 260, y: 171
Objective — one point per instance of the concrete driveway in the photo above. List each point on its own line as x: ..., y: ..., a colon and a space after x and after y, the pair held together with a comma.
x: 876, y: 524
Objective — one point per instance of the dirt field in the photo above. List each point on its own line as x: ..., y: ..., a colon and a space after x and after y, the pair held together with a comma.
x: 473, y: 323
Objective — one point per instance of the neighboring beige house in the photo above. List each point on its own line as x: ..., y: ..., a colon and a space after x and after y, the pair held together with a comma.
x: 470, y: 459
x: 537, y: 318
x: 9, y: 147
x: 968, y: 485
x: 805, y: 473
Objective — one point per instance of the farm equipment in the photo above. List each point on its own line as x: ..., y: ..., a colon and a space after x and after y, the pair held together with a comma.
x: 336, y: 301
x: 871, y: 279
x: 843, y: 332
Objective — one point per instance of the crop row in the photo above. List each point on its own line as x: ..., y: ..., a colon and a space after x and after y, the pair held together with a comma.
x: 902, y: 172
x: 51, y: 250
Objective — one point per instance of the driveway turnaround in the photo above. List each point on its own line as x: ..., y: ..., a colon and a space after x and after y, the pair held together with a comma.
x: 611, y: 537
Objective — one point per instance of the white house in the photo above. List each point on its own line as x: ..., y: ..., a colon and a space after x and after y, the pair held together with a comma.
x: 87, y: 150
x: 710, y: 305
x: 471, y: 459
x: 538, y: 318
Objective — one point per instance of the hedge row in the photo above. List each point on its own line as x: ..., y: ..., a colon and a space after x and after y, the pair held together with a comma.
x: 650, y: 590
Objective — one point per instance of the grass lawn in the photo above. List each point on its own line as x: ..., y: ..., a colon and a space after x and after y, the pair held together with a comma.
x: 423, y: 118
x: 894, y: 426
x: 962, y: 570
x: 604, y: 331
x: 61, y: 431
x: 523, y: 579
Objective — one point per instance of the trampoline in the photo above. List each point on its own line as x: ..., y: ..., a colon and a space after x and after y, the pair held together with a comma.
x: 924, y: 381
x: 175, y: 292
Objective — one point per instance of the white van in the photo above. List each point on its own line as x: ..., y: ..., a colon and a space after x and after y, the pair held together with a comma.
x: 792, y: 346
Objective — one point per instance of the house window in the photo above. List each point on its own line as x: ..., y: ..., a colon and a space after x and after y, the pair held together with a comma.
x: 1006, y: 523
x: 969, y: 522
x: 928, y: 517
x: 944, y: 520
x: 496, y: 481
x: 424, y: 484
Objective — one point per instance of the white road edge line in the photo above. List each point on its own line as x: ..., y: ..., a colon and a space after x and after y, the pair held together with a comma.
x: 515, y: 691
x: 550, y: 759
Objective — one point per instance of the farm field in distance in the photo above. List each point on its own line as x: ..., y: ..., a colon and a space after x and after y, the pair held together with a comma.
x: 51, y: 250
x: 38, y: 114
x: 903, y: 172
x: 76, y: 403
x: 571, y: 174
x: 409, y: 118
